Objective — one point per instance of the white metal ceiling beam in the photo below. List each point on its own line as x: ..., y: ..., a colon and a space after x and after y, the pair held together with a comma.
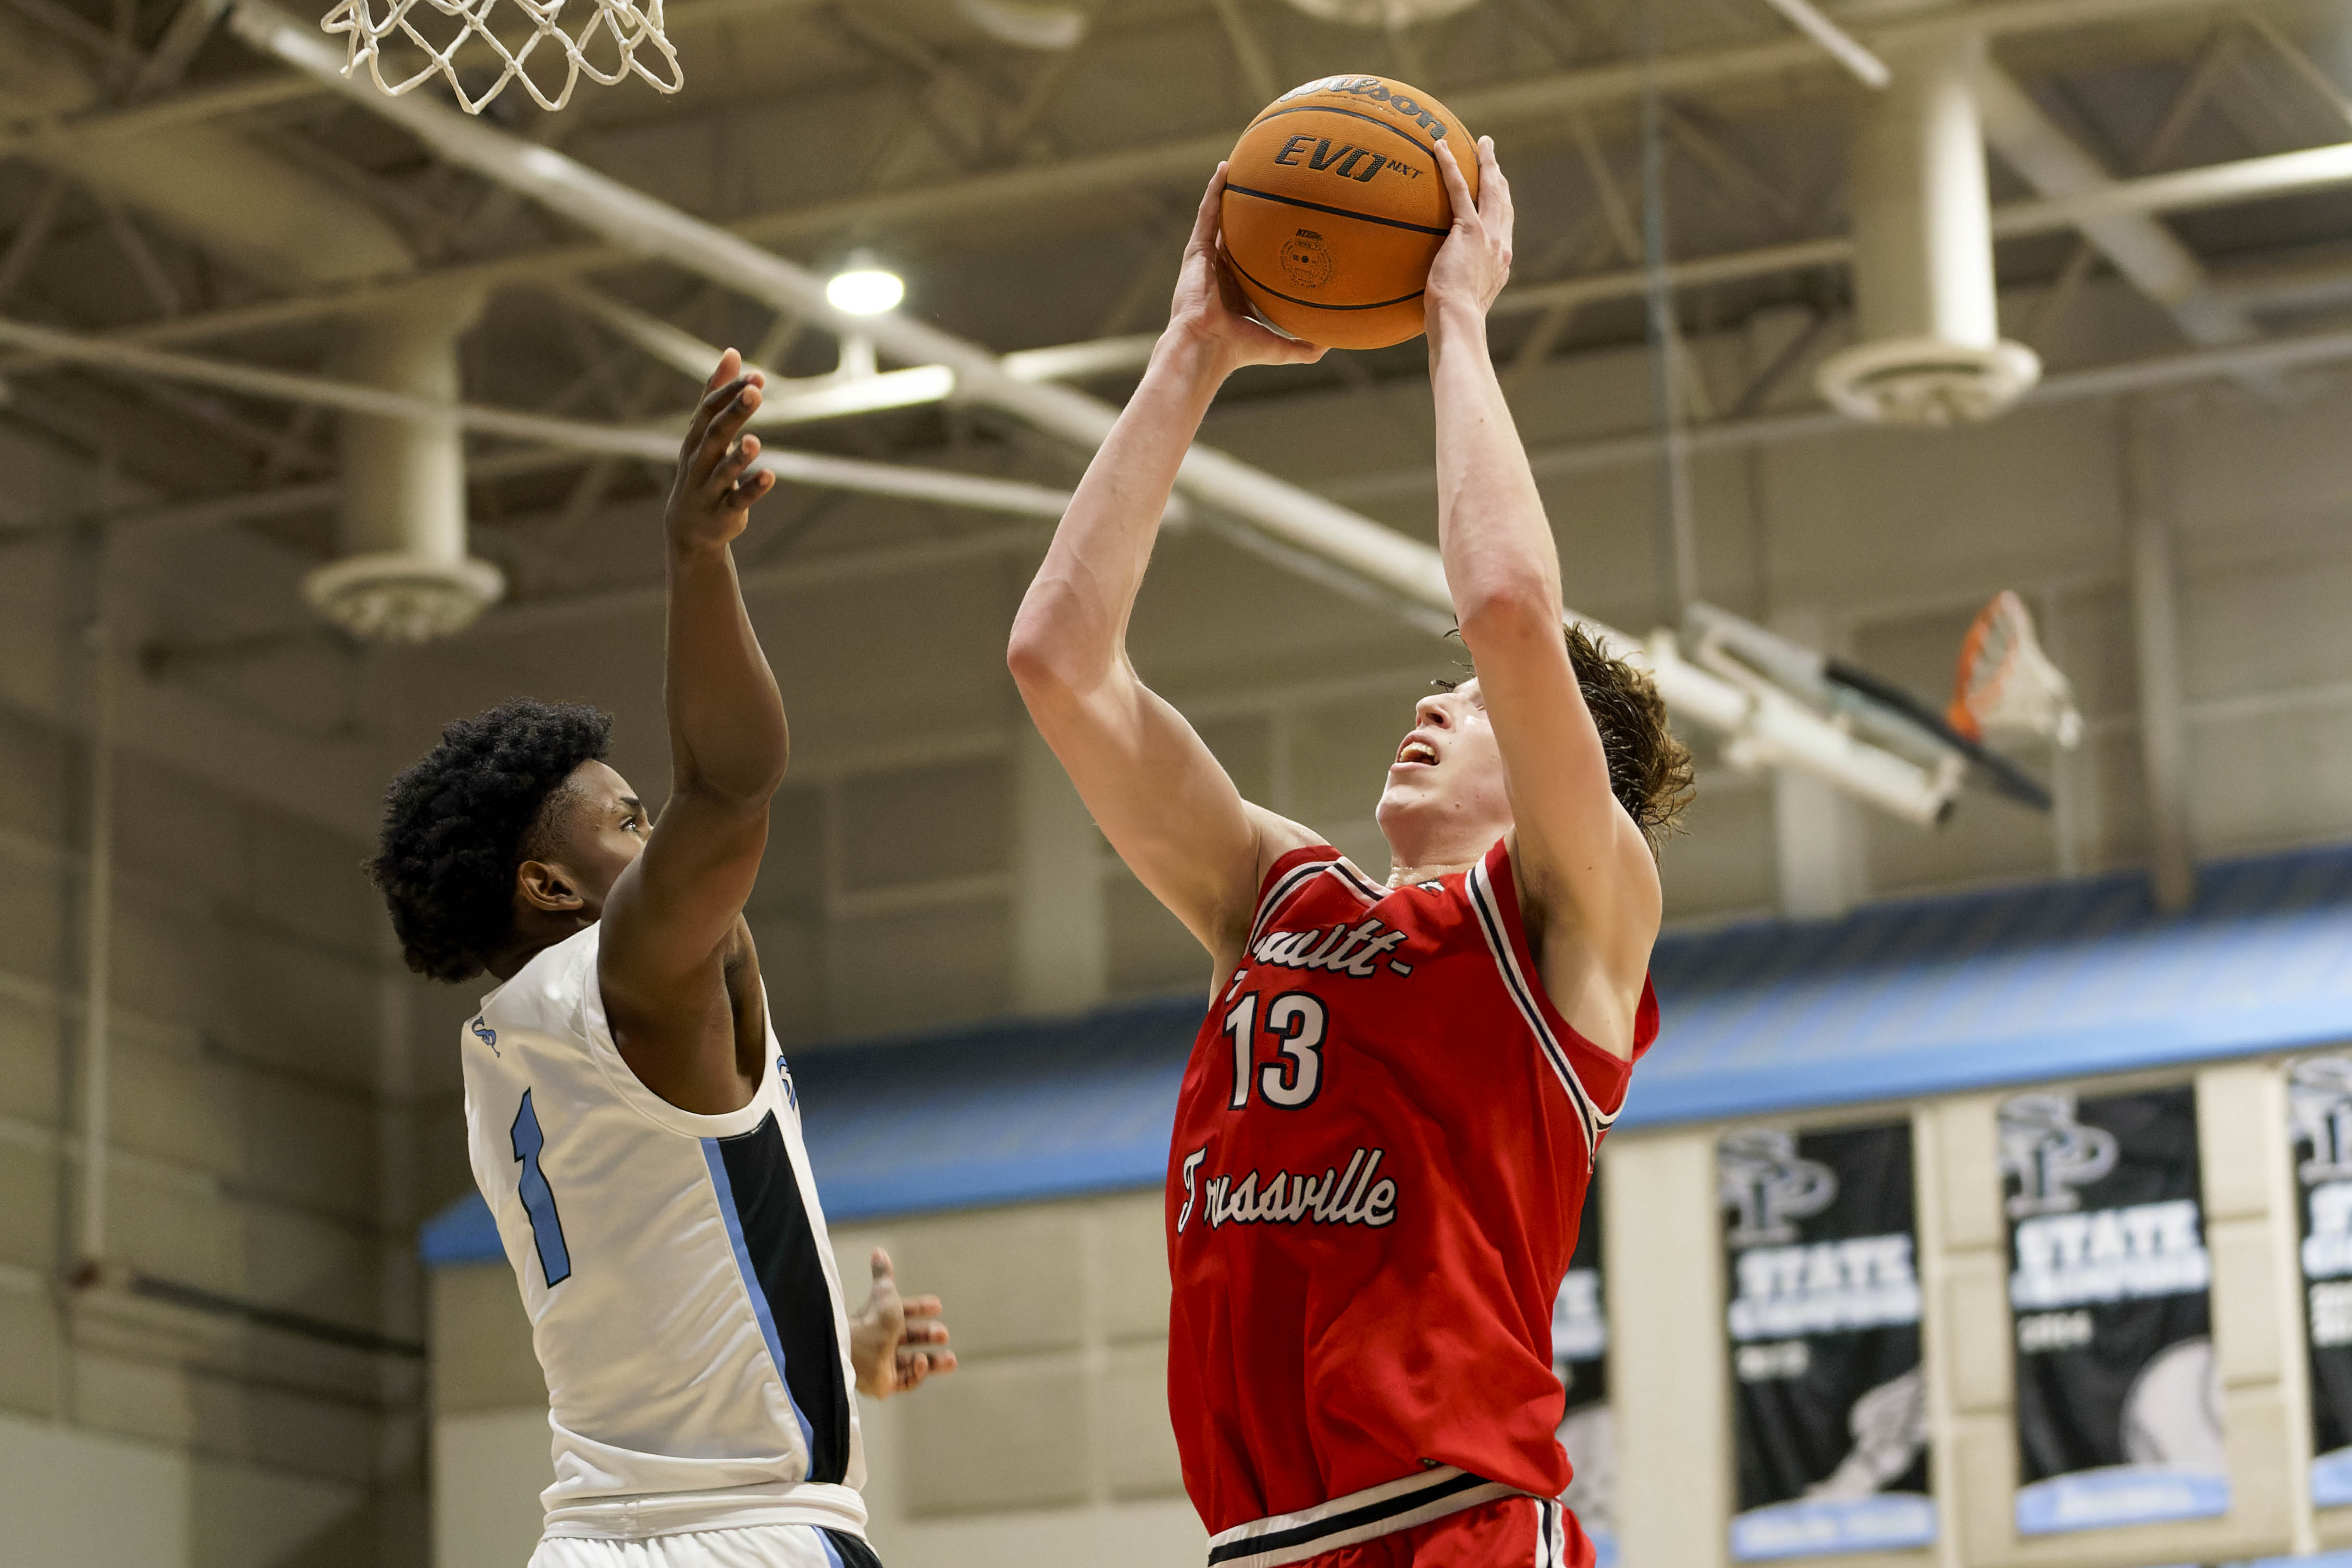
x: 131, y: 527
x: 2262, y: 357
x: 1283, y: 520
x: 941, y: 486
x: 2212, y: 185
x: 2217, y: 185
x: 203, y: 181
x: 800, y: 400
x: 2148, y: 255
x: 1835, y: 41
x: 2327, y: 285
x: 1540, y: 100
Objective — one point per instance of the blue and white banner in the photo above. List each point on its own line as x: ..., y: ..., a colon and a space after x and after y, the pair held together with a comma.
x: 2319, y: 1112
x: 1580, y: 1355
x: 1807, y: 1529
x: 2121, y: 1494
x: 2119, y: 1401
x: 1829, y: 1404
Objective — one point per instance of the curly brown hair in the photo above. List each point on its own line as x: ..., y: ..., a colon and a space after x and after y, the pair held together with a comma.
x: 1650, y: 772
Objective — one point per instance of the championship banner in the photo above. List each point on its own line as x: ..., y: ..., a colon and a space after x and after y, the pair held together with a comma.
x: 2319, y: 1113
x: 1830, y: 1404
x: 2118, y: 1400
x: 1580, y: 1355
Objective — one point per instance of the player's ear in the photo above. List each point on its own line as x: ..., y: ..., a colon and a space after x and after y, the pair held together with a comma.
x: 542, y: 885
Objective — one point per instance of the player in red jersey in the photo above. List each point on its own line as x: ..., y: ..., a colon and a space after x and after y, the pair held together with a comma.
x: 1389, y: 1118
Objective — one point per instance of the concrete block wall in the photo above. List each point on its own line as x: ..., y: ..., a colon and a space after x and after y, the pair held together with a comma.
x: 1051, y: 1447
x: 1048, y: 1447
x: 259, y: 1145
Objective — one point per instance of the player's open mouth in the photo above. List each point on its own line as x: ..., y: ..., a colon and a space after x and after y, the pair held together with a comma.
x: 1416, y: 750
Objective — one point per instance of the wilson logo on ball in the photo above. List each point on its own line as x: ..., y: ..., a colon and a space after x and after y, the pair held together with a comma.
x: 1378, y: 92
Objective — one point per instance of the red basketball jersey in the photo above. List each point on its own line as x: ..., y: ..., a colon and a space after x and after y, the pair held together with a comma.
x: 1382, y: 1151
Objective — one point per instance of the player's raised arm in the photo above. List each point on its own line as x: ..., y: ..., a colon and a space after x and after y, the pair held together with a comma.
x: 1584, y: 867
x: 673, y: 925
x: 1159, y: 795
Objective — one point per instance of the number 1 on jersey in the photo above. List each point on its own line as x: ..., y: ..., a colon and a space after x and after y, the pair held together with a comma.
x: 1241, y: 1026
x: 537, y: 1197
x: 1298, y: 1020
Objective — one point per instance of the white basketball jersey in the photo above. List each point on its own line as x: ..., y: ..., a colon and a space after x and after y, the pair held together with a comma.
x: 681, y: 1287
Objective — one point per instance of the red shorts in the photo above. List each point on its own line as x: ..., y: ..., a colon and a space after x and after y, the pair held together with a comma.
x: 1509, y: 1532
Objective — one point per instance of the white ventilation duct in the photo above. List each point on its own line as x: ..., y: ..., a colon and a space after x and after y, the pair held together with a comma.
x: 1930, y: 351
x: 404, y: 575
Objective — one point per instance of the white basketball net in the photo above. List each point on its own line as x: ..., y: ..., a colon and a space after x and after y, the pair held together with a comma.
x: 616, y: 29
x: 2006, y: 683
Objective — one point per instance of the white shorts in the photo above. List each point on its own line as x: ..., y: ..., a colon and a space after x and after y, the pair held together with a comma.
x: 754, y: 1546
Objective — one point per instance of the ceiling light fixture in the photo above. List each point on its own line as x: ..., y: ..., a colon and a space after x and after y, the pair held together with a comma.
x: 864, y: 288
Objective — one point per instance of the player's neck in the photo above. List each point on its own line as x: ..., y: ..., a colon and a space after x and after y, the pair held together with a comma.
x: 1449, y: 851
x: 530, y: 939
x: 1402, y: 875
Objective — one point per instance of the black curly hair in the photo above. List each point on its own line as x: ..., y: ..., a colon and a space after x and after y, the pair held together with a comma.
x: 458, y: 822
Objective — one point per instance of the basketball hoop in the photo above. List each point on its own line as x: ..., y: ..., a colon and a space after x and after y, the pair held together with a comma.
x: 2005, y: 681
x: 370, y: 25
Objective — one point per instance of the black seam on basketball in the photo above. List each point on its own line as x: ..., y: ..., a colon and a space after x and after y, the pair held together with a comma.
x: 1352, y: 114
x: 1335, y: 212
x: 1317, y: 304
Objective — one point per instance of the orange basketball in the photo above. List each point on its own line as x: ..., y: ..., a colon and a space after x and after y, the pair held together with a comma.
x: 1335, y: 207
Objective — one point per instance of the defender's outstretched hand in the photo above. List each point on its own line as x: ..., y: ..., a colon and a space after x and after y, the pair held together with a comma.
x: 1209, y: 307
x: 712, y: 499
x: 895, y: 1343
x: 1475, y: 262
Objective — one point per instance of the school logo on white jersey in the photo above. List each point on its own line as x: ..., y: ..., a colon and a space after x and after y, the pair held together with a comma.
x: 486, y: 1035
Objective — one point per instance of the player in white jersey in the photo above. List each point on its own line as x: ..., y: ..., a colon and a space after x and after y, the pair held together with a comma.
x: 630, y: 1118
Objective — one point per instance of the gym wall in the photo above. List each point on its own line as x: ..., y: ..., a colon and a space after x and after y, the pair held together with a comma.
x: 895, y: 874
x: 1048, y: 1447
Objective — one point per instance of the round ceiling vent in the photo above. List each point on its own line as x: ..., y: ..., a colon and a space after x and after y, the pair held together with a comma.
x: 1390, y: 14
x: 400, y: 598
x: 1926, y: 381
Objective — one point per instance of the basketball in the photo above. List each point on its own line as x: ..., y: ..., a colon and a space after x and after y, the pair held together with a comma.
x: 1335, y: 207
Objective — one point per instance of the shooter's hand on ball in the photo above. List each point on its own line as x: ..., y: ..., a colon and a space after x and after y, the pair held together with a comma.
x: 1475, y: 262
x: 712, y: 499
x: 1208, y: 311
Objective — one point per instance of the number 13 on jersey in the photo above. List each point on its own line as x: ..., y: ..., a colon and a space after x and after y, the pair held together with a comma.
x: 1296, y: 1021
